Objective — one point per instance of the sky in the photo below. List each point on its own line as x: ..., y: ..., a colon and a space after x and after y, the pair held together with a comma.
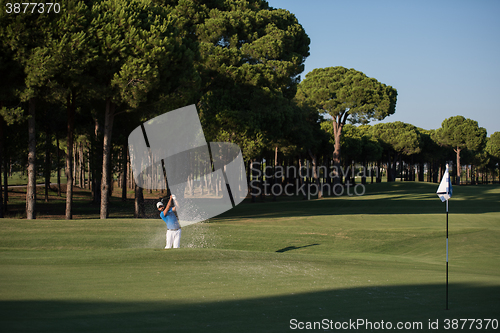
x: 442, y: 56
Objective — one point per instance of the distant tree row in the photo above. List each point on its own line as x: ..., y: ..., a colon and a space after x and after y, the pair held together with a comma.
x: 394, y: 150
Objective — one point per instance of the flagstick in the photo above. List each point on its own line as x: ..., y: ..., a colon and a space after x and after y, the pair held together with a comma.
x: 444, y: 192
x: 446, y: 254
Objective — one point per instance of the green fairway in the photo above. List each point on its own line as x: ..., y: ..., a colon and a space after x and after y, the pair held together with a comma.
x: 378, y: 257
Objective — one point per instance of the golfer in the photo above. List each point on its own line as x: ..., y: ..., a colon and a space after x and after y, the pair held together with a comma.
x: 173, y: 227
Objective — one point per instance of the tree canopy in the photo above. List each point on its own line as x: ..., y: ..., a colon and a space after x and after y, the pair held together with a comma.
x: 401, y: 137
x: 493, y: 145
x: 346, y: 94
x: 461, y: 133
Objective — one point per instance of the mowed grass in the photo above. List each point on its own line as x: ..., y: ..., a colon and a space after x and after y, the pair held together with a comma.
x: 377, y: 257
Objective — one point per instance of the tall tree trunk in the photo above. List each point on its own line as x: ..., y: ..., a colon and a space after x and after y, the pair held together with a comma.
x: 394, y: 167
x: 203, y: 178
x: 129, y: 175
x: 326, y: 179
x: 337, y: 132
x: 389, y: 167
x: 5, y: 184
x: 301, y: 179
x: 401, y: 166
x: 458, y: 165
x: 75, y: 165
x: 420, y: 171
x: 429, y: 172
x: 2, y: 160
x: 124, y: 172
x: 264, y: 178
x: 372, y: 167
x: 252, y: 186
x: 248, y: 173
x: 31, y: 190
x: 58, y: 166
x: 315, y: 173
x: 70, y: 110
x: 96, y: 163
x: 106, y: 157
x: 47, y: 165
x: 378, y: 175
x: 363, y: 176
x: 139, y: 202
x: 351, y: 175
x: 467, y: 173
x: 81, y: 166
x: 275, y: 180
x: 89, y: 171
x: 1, y: 190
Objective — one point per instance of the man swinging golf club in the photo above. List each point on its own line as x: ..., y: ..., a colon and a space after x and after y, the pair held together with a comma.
x: 167, y: 214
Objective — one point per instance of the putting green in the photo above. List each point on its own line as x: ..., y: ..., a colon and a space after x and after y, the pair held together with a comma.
x: 259, y: 266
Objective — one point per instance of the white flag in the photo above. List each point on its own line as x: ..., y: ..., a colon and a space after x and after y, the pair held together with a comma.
x: 444, y: 190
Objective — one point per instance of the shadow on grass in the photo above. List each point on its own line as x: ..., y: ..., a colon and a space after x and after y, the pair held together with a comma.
x: 414, y: 304
x: 289, y: 248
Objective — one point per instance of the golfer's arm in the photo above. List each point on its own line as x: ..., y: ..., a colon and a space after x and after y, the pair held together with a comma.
x: 169, y: 204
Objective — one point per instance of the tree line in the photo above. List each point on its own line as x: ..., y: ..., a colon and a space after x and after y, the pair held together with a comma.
x: 77, y: 82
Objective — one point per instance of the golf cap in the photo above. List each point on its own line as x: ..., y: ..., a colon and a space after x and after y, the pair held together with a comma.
x: 159, y: 204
